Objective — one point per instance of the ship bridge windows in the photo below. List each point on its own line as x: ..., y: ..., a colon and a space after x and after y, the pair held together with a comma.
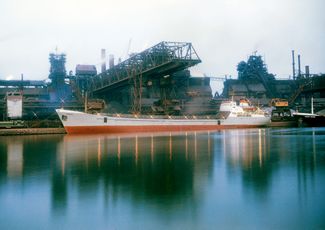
x: 64, y: 117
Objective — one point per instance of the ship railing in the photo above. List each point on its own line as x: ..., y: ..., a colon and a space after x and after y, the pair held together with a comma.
x: 174, y: 117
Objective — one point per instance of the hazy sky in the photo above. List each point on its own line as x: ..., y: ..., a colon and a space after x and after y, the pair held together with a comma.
x: 223, y: 32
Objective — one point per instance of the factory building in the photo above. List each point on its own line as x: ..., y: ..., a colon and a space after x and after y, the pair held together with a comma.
x: 154, y: 81
x: 260, y: 87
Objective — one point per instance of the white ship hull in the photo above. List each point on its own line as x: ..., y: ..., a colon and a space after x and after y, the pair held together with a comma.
x: 78, y: 122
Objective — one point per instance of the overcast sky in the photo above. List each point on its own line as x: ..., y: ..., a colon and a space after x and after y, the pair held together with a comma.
x: 223, y: 32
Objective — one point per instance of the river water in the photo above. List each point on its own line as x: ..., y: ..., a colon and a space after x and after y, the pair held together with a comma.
x: 230, y: 179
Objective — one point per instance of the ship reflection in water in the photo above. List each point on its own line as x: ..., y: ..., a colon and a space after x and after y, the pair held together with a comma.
x: 255, y: 178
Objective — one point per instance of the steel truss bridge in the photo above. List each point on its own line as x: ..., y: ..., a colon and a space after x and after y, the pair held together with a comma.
x: 160, y: 60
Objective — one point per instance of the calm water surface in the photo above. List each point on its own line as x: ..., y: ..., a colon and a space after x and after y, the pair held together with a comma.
x: 232, y: 179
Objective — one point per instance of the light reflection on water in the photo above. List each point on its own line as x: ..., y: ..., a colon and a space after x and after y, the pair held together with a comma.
x: 254, y: 178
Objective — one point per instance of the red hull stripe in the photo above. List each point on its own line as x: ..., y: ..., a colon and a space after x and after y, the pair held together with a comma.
x: 135, y: 129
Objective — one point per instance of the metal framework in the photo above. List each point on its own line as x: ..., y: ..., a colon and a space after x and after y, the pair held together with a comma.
x: 160, y: 60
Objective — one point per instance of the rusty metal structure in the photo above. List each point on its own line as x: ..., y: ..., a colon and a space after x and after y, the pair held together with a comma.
x: 162, y: 59
x: 150, y: 70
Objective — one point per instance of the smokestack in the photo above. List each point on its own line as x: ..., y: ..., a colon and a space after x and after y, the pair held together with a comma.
x: 293, y: 65
x: 103, y: 56
x: 299, y: 70
x: 111, y: 61
x: 22, y: 82
x: 307, y: 70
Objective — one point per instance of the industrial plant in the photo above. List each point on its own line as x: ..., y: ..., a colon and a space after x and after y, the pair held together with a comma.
x: 156, y: 81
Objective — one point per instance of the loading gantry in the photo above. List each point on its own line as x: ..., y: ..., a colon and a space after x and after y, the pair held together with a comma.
x: 156, y: 62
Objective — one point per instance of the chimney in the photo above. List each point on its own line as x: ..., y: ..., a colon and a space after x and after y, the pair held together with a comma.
x: 22, y: 82
x: 103, y: 56
x: 307, y: 70
x: 293, y: 65
x: 299, y: 70
x: 111, y: 61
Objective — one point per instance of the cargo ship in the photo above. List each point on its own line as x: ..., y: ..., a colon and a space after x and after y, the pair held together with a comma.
x: 231, y: 115
x: 311, y: 119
